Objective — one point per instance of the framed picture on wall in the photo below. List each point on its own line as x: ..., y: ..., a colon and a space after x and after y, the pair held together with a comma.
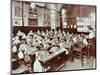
x: 52, y: 37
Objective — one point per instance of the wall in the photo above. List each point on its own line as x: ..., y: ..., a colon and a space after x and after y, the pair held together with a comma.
x: 19, y: 18
x: 40, y: 17
x: 53, y: 16
x: 15, y: 18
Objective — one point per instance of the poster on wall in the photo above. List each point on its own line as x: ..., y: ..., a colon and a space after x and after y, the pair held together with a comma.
x: 57, y: 37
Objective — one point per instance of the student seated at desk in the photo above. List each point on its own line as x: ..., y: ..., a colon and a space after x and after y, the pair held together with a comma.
x: 23, y: 47
x: 30, y: 32
x: 45, y: 44
x: 21, y: 57
x: 28, y: 40
x: 14, y: 51
x: 27, y: 58
x: 35, y: 43
x: 91, y: 34
x: 16, y: 40
x: 28, y: 61
x: 43, y: 54
x: 19, y: 33
x: 38, y: 32
x: 54, y: 49
x: 75, y: 39
x: 62, y: 47
x: 85, y: 41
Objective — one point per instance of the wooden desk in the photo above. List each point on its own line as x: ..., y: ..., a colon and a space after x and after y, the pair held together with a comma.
x: 51, y: 56
x: 80, y: 50
x: 19, y: 70
x: 15, y: 64
x: 54, y: 60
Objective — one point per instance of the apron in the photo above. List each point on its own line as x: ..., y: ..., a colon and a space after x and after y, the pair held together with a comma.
x: 37, y: 66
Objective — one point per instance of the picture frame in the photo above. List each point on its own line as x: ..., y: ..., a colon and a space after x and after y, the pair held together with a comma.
x: 42, y: 18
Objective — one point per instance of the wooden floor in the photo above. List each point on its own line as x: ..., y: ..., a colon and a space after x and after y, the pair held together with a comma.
x: 76, y: 64
x: 69, y: 65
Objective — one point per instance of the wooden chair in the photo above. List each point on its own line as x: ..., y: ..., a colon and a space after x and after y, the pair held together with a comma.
x: 81, y: 52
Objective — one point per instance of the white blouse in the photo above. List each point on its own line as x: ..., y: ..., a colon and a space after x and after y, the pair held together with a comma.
x: 20, y: 55
x: 14, y: 49
x: 37, y: 66
x: 91, y: 35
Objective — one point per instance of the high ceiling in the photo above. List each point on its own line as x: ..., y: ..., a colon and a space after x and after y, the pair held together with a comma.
x: 71, y: 9
x: 79, y: 10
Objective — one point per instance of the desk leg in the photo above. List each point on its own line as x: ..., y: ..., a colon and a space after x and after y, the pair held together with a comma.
x: 88, y: 54
x: 82, y: 59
